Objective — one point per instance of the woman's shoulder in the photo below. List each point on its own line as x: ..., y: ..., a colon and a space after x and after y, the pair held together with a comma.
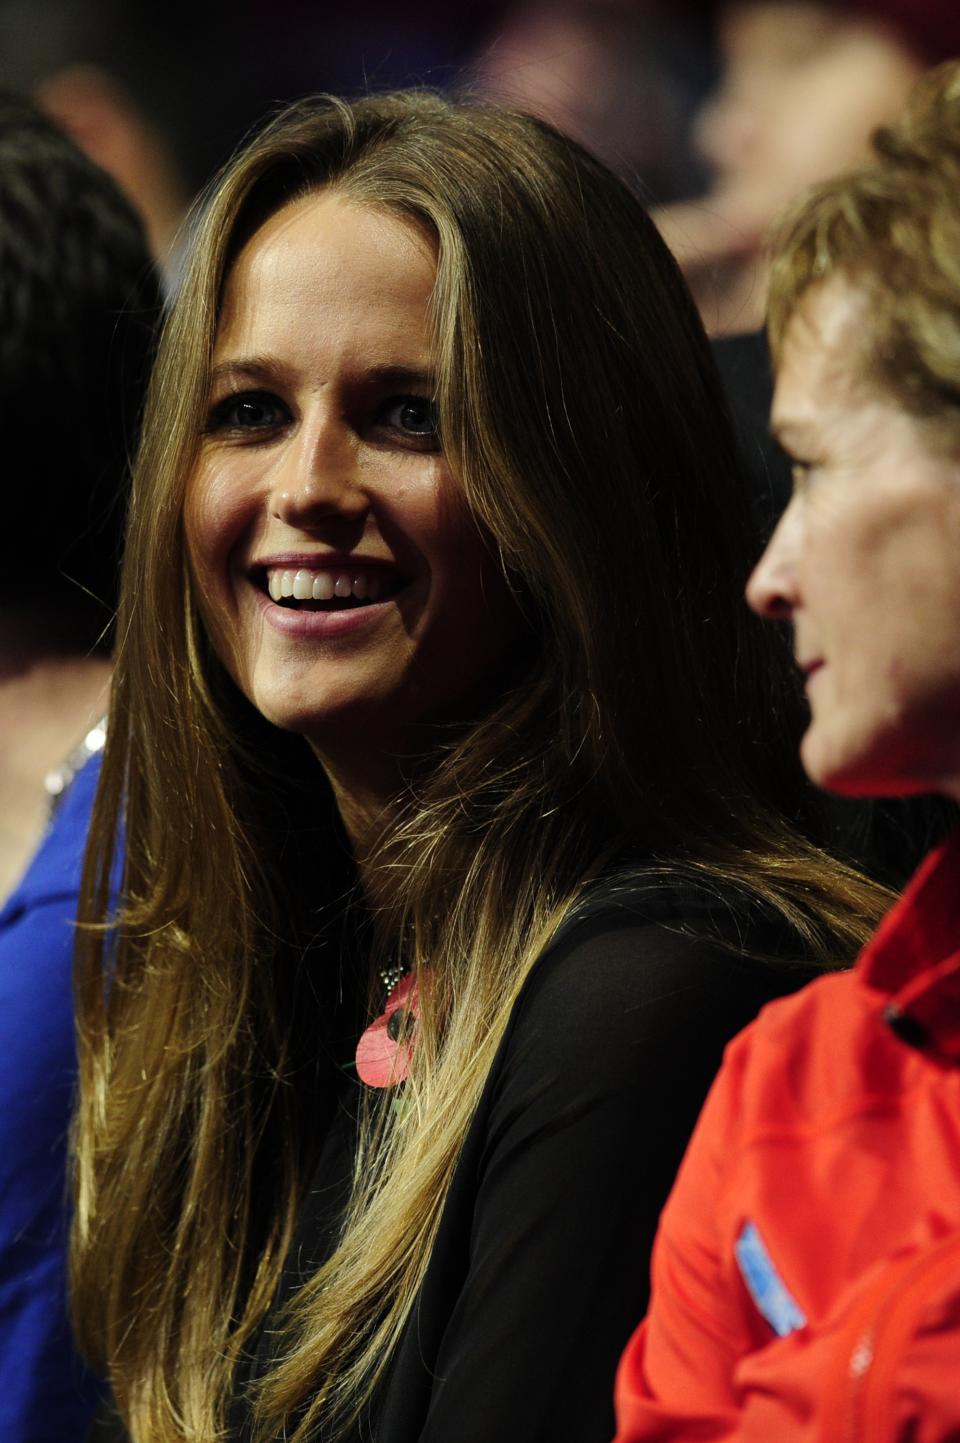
x: 638, y: 970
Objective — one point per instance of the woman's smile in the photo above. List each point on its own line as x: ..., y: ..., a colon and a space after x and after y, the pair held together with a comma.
x: 306, y: 617
x: 325, y: 598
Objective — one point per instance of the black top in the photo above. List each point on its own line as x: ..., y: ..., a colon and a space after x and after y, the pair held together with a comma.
x: 540, y: 1269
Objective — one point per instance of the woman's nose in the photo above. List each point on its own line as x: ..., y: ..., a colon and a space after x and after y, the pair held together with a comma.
x: 318, y: 480
x: 772, y: 590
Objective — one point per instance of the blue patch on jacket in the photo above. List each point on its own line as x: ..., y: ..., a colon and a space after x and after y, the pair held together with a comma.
x: 764, y: 1283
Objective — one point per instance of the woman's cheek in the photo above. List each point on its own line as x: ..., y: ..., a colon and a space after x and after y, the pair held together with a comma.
x: 212, y: 516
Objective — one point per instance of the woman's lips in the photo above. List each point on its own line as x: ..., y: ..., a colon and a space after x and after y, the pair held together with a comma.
x: 316, y: 623
x: 322, y: 601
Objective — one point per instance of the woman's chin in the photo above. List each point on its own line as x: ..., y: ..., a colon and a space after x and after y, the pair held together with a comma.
x: 875, y: 763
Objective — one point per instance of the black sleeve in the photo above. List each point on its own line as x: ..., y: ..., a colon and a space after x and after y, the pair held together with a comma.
x: 541, y: 1268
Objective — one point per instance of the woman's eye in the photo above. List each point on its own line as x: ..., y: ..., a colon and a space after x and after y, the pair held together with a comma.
x: 248, y: 411
x: 801, y: 467
x: 802, y: 473
x: 413, y: 416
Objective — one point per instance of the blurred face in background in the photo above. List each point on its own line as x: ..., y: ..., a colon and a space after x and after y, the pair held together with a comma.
x: 865, y: 563
x: 801, y: 90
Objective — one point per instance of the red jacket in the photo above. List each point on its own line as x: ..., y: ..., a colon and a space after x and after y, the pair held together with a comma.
x: 806, y: 1275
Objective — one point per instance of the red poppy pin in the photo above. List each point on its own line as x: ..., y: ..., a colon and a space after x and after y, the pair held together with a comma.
x: 386, y: 1047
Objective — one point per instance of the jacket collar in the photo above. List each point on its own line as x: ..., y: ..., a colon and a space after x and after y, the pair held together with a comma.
x: 914, y: 958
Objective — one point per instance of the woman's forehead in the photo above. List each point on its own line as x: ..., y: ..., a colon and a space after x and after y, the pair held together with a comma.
x: 328, y: 233
x: 823, y: 363
x: 325, y: 269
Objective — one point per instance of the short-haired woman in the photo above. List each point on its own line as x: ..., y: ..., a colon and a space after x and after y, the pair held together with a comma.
x: 453, y: 788
x: 806, y: 1281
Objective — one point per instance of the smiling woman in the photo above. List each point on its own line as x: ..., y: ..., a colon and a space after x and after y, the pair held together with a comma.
x: 458, y: 811
x: 346, y: 585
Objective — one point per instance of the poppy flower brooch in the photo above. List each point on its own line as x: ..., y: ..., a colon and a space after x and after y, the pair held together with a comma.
x: 386, y: 1047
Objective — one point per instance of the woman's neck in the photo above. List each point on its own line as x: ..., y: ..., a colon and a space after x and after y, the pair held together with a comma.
x: 366, y: 797
x: 49, y: 698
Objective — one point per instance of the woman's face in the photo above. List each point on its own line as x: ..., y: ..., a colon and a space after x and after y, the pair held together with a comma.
x: 803, y: 88
x: 344, y: 584
x: 865, y: 563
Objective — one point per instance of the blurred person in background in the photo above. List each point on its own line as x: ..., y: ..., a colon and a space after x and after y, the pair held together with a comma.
x: 136, y: 88
x: 100, y: 115
x: 78, y: 304
x: 806, y: 1275
x: 623, y: 77
x: 160, y: 93
x: 114, y: 78
x: 803, y: 85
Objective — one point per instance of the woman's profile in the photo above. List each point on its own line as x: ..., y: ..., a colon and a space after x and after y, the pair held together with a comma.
x: 459, y: 824
x: 806, y: 1275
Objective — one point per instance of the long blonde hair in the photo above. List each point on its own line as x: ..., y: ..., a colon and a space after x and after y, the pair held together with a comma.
x: 581, y: 416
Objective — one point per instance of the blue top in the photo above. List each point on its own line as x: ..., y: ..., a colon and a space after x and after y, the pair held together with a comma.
x: 46, y: 1394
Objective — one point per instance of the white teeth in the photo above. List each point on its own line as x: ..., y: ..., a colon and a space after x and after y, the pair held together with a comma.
x: 305, y: 585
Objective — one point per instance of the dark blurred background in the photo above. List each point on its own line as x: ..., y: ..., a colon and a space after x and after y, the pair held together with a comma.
x: 161, y: 93
x: 717, y: 109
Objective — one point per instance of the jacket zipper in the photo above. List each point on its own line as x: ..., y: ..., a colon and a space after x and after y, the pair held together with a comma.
x: 880, y: 1329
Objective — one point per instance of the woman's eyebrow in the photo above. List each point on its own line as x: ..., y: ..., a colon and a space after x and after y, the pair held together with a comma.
x: 389, y: 376
x: 259, y: 367
x: 243, y: 368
